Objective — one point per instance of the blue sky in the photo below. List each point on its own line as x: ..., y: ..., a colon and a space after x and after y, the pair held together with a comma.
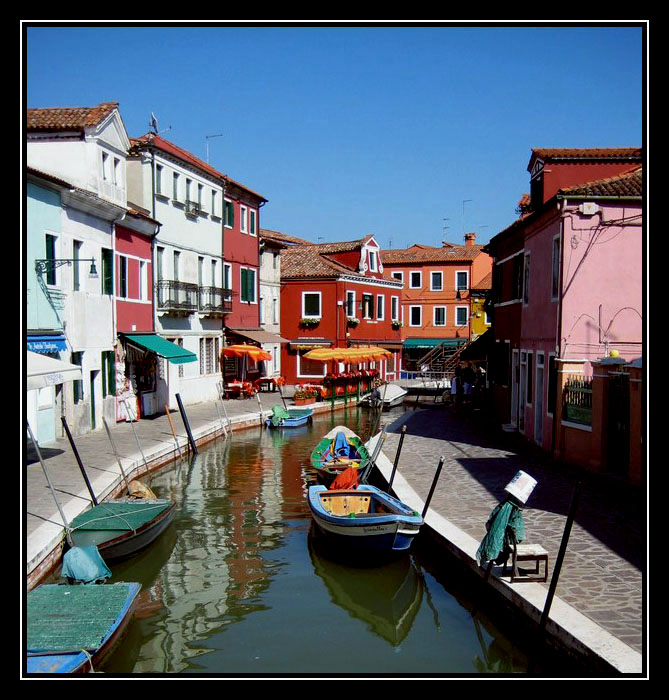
x: 355, y: 130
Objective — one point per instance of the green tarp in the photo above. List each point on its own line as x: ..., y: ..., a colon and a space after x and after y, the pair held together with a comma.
x: 119, y: 515
x: 432, y: 342
x: 504, y: 525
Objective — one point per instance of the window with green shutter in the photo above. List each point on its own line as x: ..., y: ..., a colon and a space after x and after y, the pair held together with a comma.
x: 108, y: 374
x: 107, y: 277
x: 229, y: 214
x: 248, y: 285
x: 77, y: 384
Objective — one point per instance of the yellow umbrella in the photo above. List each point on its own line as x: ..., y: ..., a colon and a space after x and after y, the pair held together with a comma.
x: 241, y: 350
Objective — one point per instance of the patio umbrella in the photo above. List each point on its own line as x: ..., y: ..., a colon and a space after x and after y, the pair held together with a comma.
x: 243, y: 350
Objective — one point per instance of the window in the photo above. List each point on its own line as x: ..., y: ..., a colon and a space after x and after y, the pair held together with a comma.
x: 159, y: 179
x: 189, y: 184
x: 50, y: 246
x: 275, y: 310
x: 309, y: 368
x: 526, y: 280
x: 105, y: 166
x: 394, y: 308
x: 229, y: 214
x: 214, y: 203
x: 415, y: 280
x: 122, y: 276
x: 415, y: 316
x: 555, y: 282
x: 159, y: 263
x: 143, y: 282
x: 436, y: 281
x: 107, y: 277
x: 261, y: 311
x: 175, y: 187
x: 77, y: 384
x: 311, y: 304
x: 398, y: 276
x: 108, y: 374
x: 350, y: 304
x: 252, y: 222
x: 518, y: 277
x: 529, y: 378
x: 368, y: 306
x: 373, y: 267
x: 380, y: 307
x: 76, y: 250
x: 461, y: 281
x: 200, y: 271
x: 214, y: 275
x: 200, y: 190
x: 248, y: 285
x: 243, y: 219
x: 227, y: 276
x: 461, y: 314
x: 116, y: 174
x: 439, y: 316
x: 176, y: 256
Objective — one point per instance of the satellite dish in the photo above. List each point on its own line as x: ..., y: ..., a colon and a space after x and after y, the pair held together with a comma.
x: 154, y: 123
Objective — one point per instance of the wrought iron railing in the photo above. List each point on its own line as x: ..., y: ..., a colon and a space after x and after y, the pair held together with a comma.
x: 215, y: 300
x: 180, y: 297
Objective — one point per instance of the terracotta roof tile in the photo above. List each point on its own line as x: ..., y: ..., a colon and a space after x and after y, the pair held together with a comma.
x: 283, y: 237
x: 597, y: 153
x: 68, y: 118
x: 427, y: 254
x: 629, y: 184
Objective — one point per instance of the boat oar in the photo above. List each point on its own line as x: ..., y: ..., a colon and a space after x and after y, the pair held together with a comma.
x: 76, y: 455
x: 397, y: 458
x: 278, y: 386
x: 68, y: 534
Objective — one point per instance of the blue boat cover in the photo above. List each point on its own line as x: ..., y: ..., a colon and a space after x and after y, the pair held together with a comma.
x: 85, y: 564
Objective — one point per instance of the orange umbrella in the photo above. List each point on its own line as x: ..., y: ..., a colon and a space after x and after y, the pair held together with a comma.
x: 348, y: 355
x: 243, y: 350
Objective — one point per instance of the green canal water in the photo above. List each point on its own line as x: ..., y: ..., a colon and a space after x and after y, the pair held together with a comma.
x: 238, y: 586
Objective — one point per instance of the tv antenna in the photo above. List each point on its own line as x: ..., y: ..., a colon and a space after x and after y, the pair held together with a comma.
x: 153, y: 125
x: 206, y: 139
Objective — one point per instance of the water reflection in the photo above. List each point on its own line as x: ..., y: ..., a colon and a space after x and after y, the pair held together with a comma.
x: 237, y: 586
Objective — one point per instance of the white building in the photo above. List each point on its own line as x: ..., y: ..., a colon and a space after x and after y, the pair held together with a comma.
x: 186, y: 195
x: 86, y: 147
x: 270, y: 301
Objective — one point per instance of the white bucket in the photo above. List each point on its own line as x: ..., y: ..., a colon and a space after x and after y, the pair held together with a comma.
x: 521, y: 486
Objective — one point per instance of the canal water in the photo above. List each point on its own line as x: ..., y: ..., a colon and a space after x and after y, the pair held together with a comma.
x: 238, y: 585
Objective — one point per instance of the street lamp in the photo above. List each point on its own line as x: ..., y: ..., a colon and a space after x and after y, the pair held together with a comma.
x: 48, y: 265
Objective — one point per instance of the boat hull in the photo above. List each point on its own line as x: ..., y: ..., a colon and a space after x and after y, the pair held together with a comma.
x: 118, y: 544
x: 378, y: 532
x: 79, y: 661
x: 327, y: 470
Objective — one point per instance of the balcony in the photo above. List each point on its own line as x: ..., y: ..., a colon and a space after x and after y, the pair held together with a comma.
x: 184, y: 298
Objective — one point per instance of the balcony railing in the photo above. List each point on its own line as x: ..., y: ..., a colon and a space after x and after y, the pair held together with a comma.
x: 177, y: 297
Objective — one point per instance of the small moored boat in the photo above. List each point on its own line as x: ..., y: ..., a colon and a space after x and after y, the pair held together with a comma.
x: 289, y: 417
x: 364, y: 519
x: 385, y: 397
x: 338, y: 450
x: 73, y: 628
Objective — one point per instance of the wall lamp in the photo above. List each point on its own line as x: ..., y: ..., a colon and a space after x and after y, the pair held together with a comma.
x: 50, y: 264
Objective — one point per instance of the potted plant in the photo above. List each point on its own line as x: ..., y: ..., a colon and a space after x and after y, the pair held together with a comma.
x: 304, y: 396
x: 352, y: 321
x: 396, y: 325
x: 309, y: 322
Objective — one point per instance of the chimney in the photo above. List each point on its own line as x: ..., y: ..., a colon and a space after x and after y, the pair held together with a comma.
x: 470, y: 239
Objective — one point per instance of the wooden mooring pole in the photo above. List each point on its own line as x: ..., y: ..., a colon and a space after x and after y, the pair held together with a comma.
x: 397, y: 458
x: 184, y: 417
x: 434, y: 484
x: 78, y: 458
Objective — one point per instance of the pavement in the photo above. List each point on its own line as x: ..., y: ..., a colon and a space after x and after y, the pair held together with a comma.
x: 598, y: 609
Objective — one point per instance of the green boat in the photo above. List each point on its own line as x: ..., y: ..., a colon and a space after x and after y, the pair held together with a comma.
x: 337, y: 450
x: 122, y: 527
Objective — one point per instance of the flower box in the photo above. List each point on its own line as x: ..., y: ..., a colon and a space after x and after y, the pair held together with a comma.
x: 304, y: 401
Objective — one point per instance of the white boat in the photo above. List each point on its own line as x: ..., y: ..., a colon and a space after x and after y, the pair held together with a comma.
x: 387, y: 396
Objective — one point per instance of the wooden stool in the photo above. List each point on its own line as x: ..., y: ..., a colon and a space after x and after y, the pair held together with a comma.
x: 532, y: 553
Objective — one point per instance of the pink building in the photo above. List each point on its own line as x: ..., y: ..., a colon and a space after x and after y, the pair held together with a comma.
x: 578, y: 280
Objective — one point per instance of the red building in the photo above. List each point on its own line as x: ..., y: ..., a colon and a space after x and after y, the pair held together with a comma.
x: 337, y: 295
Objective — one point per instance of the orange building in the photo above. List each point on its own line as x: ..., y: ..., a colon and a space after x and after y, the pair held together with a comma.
x: 436, y: 299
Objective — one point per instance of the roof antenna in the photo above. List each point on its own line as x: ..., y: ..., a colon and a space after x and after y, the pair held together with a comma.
x: 206, y: 138
x: 153, y: 124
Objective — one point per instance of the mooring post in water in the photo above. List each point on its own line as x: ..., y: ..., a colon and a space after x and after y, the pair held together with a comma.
x: 118, y: 459
x: 259, y: 408
x: 560, y: 556
x: 434, y: 484
x: 78, y: 458
x: 186, y: 424
x: 397, y: 458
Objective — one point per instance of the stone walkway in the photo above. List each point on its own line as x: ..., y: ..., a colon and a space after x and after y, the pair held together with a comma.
x: 601, y: 575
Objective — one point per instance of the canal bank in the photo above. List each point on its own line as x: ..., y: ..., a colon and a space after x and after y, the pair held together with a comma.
x: 430, y: 433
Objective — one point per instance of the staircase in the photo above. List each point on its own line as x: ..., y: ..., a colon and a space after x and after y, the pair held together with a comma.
x: 443, y: 359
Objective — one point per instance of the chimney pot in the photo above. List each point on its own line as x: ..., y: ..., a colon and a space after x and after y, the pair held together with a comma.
x: 470, y: 239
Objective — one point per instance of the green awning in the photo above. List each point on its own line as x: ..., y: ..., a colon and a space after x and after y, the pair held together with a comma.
x: 433, y: 342
x: 165, y: 348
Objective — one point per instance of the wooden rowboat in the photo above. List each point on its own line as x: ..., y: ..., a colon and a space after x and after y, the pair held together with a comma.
x: 72, y: 629
x: 289, y: 417
x: 336, y: 451
x: 364, y: 519
x: 121, y: 527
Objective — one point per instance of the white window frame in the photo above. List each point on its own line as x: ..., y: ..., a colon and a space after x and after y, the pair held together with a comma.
x: 420, y: 277
x: 440, y: 288
x: 253, y: 222
x: 255, y: 284
x: 462, y: 272
x: 176, y: 186
x: 395, y: 301
x: 420, y: 311
x: 398, y: 275
x: 227, y: 275
x: 299, y: 368
x: 382, y: 298
x: 350, y: 294
x: 434, y: 316
x: 320, y: 305
x: 227, y: 201
x: 365, y: 306
x: 373, y: 257
x: 143, y: 280
x: 243, y: 218
x: 466, y: 323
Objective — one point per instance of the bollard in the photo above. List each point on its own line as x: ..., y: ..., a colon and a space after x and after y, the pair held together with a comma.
x: 186, y: 424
